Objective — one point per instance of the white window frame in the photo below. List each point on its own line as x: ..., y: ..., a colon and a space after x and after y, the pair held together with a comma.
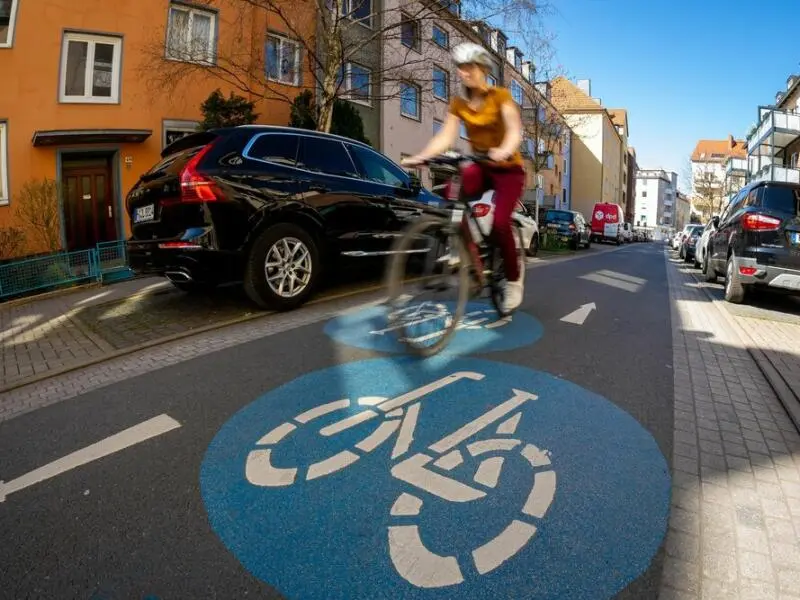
x: 348, y: 4
x: 211, y: 56
x: 446, y: 83
x: 298, y: 63
x: 462, y: 131
x: 116, y: 69
x: 521, y: 91
x: 11, y: 25
x: 348, y: 84
x: 179, y: 125
x: 418, y: 116
x: 4, y: 191
x: 491, y: 79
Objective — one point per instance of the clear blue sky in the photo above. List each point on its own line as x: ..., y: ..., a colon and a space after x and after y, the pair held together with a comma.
x: 685, y: 70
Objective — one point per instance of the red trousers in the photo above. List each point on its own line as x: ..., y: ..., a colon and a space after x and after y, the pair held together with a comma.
x: 507, y: 184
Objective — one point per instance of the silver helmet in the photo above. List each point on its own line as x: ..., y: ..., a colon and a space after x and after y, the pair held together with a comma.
x: 472, y: 53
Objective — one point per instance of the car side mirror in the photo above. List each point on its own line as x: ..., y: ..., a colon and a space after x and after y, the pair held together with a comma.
x: 715, y: 221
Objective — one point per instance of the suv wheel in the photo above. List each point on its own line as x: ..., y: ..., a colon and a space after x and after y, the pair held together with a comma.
x: 710, y: 275
x: 282, y: 267
x: 735, y: 292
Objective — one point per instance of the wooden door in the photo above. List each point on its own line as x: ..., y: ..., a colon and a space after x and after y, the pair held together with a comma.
x: 89, y: 212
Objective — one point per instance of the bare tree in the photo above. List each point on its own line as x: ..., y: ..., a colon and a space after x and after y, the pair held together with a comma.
x: 37, y: 208
x: 329, y: 36
x: 708, y: 188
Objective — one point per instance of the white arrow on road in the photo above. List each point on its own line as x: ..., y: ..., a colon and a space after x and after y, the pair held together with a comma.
x: 577, y: 317
x: 119, y: 441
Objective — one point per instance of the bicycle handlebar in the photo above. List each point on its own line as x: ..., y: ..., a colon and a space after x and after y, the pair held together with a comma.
x: 455, y: 158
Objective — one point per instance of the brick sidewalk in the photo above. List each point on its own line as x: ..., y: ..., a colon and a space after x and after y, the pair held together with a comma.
x: 735, y: 515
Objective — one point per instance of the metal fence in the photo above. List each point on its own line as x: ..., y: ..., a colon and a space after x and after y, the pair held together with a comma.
x: 107, y: 262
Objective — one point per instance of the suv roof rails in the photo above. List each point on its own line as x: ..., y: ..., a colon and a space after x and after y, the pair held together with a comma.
x: 299, y: 131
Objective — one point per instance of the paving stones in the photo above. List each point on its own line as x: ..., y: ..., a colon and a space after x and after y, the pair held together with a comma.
x: 733, y: 531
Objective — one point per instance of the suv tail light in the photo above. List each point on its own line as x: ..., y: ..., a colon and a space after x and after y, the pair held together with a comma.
x: 758, y: 222
x: 196, y: 187
x: 572, y: 226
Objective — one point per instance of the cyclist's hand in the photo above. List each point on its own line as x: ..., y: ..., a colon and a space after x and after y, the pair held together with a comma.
x: 411, y: 161
x: 498, y: 154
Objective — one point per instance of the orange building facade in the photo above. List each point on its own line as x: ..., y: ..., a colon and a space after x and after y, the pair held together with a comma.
x: 92, y: 94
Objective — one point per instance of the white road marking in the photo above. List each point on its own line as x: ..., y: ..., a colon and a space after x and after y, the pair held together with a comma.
x: 579, y: 316
x: 418, y: 565
x: 499, y: 549
x: 406, y: 435
x: 119, y: 441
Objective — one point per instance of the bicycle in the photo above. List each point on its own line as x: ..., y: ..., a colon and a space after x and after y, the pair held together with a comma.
x: 428, y: 472
x: 476, y: 259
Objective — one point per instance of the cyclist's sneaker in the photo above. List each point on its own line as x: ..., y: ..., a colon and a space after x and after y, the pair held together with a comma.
x: 513, y: 295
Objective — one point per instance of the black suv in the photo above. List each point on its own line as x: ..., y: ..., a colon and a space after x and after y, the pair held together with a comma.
x: 756, y: 241
x: 569, y: 226
x: 270, y: 206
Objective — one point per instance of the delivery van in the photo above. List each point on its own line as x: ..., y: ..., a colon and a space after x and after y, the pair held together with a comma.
x: 607, y: 222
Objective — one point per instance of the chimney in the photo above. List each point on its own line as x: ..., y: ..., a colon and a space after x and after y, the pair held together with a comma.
x: 585, y: 85
x: 731, y: 142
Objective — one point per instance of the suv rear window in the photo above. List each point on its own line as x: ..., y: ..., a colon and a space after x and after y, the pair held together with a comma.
x: 781, y: 198
x: 175, y: 155
x: 560, y: 216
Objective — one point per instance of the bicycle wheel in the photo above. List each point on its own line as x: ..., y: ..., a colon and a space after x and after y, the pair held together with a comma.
x: 445, y: 258
x: 498, y: 276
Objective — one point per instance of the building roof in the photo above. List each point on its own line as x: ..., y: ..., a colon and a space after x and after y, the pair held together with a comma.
x: 619, y: 116
x: 719, y: 150
x: 567, y: 97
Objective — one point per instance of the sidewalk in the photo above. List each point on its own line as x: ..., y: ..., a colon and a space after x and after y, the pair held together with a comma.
x: 734, y: 529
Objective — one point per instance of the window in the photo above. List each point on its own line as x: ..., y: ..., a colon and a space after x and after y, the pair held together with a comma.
x: 175, y: 130
x: 516, y: 91
x: 358, y: 10
x: 374, y: 167
x: 357, y: 82
x: 274, y: 148
x: 437, y: 125
x: 644, y: 194
x: 8, y: 10
x: 326, y: 156
x: 440, y: 37
x: 462, y: 130
x: 491, y: 79
x: 283, y: 60
x: 409, y: 100
x: 191, y: 34
x: 409, y: 32
x: 90, y: 68
x: 782, y: 199
x: 441, y: 84
x: 3, y: 164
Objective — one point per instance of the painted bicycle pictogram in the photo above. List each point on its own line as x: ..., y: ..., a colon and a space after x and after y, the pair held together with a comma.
x: 424, y: 472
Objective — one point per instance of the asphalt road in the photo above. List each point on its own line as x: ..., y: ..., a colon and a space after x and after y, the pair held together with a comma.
x: 201, y: 509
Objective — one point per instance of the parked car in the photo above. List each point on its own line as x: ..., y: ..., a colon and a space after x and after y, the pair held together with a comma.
x: 607, y: 219
x: 756, y: 242
x: 680, y: 237
x: 702, y: 244
x: 270, y: 206
x: 689, y: 243
x: 627, y: 233
x: 569, y: 226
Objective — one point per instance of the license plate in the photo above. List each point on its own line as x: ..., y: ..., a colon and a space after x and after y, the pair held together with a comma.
x: 456, y: 215
x: 144, y: 213
x: 795, y: 238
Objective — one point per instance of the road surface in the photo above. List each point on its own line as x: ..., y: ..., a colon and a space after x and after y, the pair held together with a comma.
x: 530, y: 461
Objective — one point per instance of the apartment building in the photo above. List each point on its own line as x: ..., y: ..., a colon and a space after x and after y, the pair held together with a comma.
x: 78, y: 106
x: 619, y: 118
x: 596, y: 146
x: 656, y: 192
x: 773, y: 143
x: 633, y: 169
x: 683, y: 211
x: 719, y: 169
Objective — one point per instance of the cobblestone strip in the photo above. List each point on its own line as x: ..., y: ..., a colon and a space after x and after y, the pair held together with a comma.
x: 735, y: 514
x: 51, y: 391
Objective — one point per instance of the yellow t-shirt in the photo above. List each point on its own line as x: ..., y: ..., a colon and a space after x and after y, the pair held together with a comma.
x: 485, y: 126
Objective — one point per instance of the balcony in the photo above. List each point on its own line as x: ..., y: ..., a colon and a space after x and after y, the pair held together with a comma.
x: 777, y: 128
x: 776, y: 173
x: 736, y: 166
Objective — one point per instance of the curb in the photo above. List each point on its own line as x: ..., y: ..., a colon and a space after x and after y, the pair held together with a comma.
x: 787, y: 397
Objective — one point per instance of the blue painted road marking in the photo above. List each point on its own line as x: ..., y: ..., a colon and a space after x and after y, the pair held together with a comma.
x: 468, y: 478
x: 481, y: 330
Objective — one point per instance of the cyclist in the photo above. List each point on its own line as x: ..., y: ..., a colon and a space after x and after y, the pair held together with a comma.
x: 494, y: 126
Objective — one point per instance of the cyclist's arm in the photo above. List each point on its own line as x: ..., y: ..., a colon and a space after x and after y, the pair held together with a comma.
x: 442, y: 141
x: 513, y: 122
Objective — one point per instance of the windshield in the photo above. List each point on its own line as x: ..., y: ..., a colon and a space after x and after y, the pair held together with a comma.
x: 558, y: 216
